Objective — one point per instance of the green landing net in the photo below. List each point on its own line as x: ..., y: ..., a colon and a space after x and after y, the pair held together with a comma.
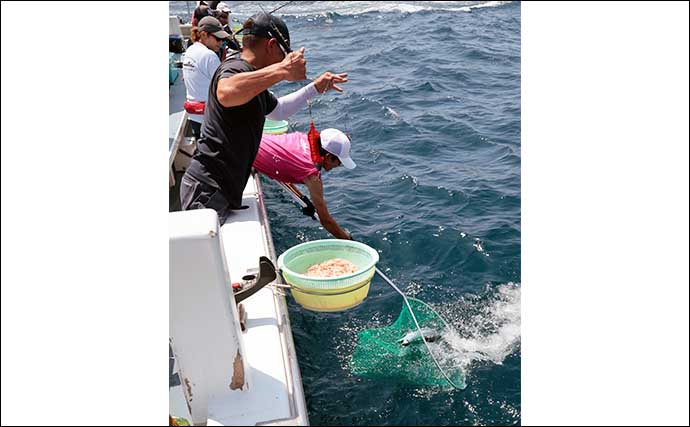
x: 379, y: 353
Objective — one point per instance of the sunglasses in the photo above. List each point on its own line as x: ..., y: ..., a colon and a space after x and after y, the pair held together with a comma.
x: 218, y: 39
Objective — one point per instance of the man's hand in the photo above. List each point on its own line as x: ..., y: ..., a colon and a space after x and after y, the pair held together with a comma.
x: 328, y: 80
x: 295, y: 66
x: 308, y: 210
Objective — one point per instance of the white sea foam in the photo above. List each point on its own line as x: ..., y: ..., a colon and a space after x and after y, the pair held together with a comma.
x: 492, y: 331
x: 393, y: 113
x: 350, y: 8
x: 485, y: 329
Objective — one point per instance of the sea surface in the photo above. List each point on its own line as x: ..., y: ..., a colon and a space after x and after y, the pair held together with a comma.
x: 433, y: 109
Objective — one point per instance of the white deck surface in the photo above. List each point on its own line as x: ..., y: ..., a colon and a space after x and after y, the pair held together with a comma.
x: 274, y: 388
x: 268, y: 397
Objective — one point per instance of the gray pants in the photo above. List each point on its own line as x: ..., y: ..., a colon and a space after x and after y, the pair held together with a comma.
x: 198, y: 195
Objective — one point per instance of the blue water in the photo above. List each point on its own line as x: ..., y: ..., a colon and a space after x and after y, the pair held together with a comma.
x: 433, y: 107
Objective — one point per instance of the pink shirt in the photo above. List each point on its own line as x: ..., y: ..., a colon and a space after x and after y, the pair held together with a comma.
x: 285, y: 158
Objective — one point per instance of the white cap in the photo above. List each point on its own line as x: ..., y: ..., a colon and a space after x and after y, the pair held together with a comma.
x: 223, y: 7
x: 338, y: 144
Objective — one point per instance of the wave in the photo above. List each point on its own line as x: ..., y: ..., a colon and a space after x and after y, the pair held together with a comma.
x: 483, y: 5
x: 333, y: 9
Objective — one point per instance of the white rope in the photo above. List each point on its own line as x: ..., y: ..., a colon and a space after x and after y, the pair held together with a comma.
x: 414, y: 318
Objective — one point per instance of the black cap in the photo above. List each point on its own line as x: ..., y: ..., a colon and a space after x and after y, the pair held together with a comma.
x: 213, y: 26
x: 269, y: 26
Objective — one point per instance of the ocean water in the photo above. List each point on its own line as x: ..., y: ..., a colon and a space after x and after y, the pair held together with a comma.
x: 433, y: 108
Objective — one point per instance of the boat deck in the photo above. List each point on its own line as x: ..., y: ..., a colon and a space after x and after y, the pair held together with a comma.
x: 273, y: 394
x: 274, y: 380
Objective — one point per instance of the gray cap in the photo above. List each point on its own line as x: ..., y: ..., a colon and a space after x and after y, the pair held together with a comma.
x: 213, y: 26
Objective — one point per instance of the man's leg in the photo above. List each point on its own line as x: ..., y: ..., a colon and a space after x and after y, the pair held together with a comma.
x: 189, y: 192
x: 198, y: 195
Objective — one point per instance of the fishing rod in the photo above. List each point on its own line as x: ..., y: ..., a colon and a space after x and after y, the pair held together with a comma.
x: 283, y: 41
x: 281, y: 6
x: 300, y: 200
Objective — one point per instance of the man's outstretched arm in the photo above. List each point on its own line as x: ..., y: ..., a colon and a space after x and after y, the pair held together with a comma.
x: 315, y: 186
x: 242, y: 87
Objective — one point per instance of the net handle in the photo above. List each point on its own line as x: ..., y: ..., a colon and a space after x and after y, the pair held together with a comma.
x: 414, y: 318
x: 434, y: 311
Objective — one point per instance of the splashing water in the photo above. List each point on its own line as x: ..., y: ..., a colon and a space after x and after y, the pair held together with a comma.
x: 486, y: 329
